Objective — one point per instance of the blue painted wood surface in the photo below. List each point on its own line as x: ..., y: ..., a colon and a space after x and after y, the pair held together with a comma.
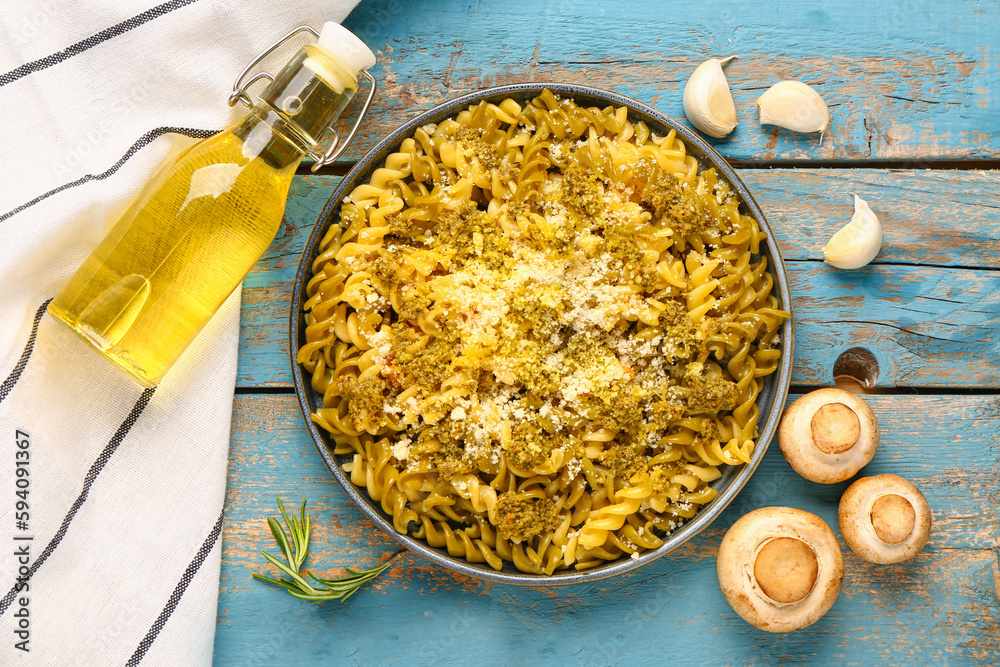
x: 906, y: 81
x: 941, y: 607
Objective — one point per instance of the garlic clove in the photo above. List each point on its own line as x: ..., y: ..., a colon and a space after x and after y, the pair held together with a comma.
x: 857, y: 243
x: 794, y: 106
x: 708, y: 103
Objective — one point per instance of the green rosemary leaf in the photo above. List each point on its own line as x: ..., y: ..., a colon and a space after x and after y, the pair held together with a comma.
x: 291, y: 528
x: 277, y: 582
x: 281, y: 507
x: 356, y: 577
x: 352, y: 581
x: 306, y: 526
x: 349, y: 594
x: 295, y: 553
x: 314, y: 597
x: 292, y: 574
x: 280, y: 537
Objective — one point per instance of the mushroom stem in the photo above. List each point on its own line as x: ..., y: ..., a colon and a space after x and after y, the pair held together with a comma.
x: 893, y: 518
x: 786, y: 569
x: 835, y: 428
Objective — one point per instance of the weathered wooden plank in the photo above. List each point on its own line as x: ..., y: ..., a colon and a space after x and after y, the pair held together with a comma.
x: 902, y: 79
x: 267, y: 290
x: 929, y: 217
x: 942, y: 607
x: 927, y: 326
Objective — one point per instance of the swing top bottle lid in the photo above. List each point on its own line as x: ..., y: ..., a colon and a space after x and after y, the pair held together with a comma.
x: 343, y: 43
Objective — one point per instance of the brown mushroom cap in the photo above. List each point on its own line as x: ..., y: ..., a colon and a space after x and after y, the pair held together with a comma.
x: 828, y: 435
x: 780, y: 568
x: 884, y: 519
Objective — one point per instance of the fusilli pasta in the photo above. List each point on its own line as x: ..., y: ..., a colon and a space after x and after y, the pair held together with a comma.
x: 539, y: 331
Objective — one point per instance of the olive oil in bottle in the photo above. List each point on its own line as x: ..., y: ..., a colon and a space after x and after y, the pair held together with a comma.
x: 206, y: 217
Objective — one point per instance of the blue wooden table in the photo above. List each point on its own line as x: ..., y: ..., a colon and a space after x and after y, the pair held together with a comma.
x: 913, y: 88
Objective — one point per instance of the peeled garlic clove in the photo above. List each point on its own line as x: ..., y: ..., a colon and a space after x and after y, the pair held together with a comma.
x: 857, y: 243
x: 708, y: 104
x: 795, y: 106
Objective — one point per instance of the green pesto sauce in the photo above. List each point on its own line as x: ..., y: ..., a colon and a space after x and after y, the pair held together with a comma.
x: 660, y: 386
x: 520, y: 518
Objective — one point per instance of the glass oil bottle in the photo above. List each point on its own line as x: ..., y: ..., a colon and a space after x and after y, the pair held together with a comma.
x: 202, y: 222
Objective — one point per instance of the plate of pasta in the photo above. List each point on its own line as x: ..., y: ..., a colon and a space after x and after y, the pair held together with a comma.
x: 542, y: 333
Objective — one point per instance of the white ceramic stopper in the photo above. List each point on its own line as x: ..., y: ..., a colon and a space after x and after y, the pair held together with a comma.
x: 346, y: 46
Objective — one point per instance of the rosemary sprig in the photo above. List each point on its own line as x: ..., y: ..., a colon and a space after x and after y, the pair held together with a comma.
x: 294, y: 581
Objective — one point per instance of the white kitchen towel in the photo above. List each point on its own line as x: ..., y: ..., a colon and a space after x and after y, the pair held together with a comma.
x: 111, y: 496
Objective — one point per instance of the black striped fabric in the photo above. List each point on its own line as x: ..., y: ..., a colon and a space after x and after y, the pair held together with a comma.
x: 92, y: 41
x: 213, y: 539
x: 88, y: 481
x: 15, y: 374
x: 175, y: 597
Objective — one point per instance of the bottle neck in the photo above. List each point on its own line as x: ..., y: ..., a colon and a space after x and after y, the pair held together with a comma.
x: 266, y: 135
x: 292, y: 117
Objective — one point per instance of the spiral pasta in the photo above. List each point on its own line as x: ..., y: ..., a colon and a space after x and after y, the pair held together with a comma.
x: 539, y: 332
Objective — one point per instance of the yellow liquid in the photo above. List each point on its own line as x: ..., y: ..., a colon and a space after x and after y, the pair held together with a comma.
x: 176, y: 254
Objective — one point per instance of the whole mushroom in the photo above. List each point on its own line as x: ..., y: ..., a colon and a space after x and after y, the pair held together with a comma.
x: 828, y: 435
x: 780, y: 568
x: 884, y: 519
